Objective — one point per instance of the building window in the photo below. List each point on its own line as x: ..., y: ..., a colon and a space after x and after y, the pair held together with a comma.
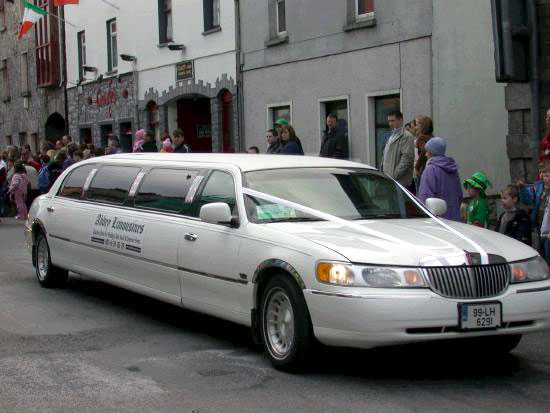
x: 165, y: 21
x: 25, y: 91
x: 337, y: 106
x: 5, y: 86
x: 211, y: 10
x: 281, y: 18
x: 112, y: 50
x: 34, y: 143
x: 364, y: 8
x: 278, y: 111
x: 382, y: 106
x: 22, y: 139
x: 81, y: 40
x: 48, y: 66
x: 8, y: 140
x: 2, y: 16
x: 85, y: 135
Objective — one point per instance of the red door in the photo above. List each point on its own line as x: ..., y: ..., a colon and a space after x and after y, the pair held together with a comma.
x: 196, y: 122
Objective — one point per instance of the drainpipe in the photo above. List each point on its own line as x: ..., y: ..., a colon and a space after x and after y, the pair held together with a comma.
x: 535, y: 79
x: 238, y: 74
x: 64, y: 67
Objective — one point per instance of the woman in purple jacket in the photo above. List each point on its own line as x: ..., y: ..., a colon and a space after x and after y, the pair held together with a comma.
x: 440, y: 178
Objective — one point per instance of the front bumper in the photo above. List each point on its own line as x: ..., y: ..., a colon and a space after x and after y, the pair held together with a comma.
x: 387, y: 317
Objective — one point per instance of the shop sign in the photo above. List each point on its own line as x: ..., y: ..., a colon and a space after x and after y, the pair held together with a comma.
x: 204, y: 131
x: 184, y: 70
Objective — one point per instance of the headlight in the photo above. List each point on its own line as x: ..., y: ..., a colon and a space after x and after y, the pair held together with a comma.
x: 375, y: 277
x: 535, y: 269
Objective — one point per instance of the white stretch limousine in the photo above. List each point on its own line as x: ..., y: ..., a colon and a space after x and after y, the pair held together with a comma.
x: 298, y: 248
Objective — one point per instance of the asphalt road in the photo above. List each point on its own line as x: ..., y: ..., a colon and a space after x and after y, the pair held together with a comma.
x: 92, y: 347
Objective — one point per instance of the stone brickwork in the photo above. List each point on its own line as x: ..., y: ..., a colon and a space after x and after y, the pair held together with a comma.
x: 22, y: 117
x: 106, y: 102
x: 192, y: 87
x: 518, y: 103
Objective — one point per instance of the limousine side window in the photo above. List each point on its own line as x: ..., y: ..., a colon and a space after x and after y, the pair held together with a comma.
x: 112, y: 183
x: 220, y: 187
x: 72, y: 187
x: 165, y: 190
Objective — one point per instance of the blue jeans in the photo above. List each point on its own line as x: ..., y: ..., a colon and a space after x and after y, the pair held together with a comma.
x: 545, y: 249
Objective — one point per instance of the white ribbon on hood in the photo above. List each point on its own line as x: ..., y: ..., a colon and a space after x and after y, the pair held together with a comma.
x: 430, y: 260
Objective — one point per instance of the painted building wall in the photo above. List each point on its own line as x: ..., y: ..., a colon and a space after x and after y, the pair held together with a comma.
x: 138, y: 36
x: 468, y: 103
x: 323, y: 59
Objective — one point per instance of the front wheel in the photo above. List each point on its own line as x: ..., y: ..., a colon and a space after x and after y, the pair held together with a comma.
x: 285, y: 324
x: 48, y: 274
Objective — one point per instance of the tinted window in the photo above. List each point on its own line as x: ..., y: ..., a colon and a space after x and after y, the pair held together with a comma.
x: 112, y: 183
x: 72, y: 187
x: 219, y: 188
x: 165, y: 189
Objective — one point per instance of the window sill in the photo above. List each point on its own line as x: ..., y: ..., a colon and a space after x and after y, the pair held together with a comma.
x: 276, y: 41
x: 26, y: 94
x: 360, y: 24
x: 212, y: 30
x: 111, y: 72
x: 165, y: 44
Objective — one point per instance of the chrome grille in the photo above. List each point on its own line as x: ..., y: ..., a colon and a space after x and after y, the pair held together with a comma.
x: 480, y: 281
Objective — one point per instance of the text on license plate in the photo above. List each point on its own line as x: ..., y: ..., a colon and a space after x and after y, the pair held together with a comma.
x: 476, y: 316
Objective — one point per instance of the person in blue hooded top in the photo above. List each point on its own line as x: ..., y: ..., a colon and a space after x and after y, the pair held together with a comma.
x: 440, y: 178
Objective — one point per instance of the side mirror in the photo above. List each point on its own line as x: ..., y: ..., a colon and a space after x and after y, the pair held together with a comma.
x: 216, y: 213
x: 436, y: 206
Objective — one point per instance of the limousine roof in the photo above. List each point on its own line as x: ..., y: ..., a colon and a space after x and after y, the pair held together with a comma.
x: 245, y: 162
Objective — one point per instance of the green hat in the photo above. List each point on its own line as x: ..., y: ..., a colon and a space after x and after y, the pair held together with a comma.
x: 478, y: 181
x: 281, y: 122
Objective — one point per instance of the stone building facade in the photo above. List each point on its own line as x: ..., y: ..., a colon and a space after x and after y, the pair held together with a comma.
x: 521, y: 141
x: 29, y: 113
x: 102, y: 108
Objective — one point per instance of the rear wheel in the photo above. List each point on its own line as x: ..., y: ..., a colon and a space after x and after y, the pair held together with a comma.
x: 48, y: 275
x: 285, y: 324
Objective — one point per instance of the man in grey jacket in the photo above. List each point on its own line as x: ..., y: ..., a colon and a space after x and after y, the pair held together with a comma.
x: 398, y: 157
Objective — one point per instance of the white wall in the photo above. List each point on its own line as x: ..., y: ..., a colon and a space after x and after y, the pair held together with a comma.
x: 468, y: 104
x: 137, y: 25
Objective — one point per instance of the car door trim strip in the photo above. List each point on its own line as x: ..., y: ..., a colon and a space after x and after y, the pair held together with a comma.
x: 217, y: 277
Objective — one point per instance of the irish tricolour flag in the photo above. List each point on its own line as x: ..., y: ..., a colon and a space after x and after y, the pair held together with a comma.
x: 31, y: 16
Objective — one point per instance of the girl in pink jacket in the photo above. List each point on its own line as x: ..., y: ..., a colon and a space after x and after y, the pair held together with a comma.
x: 18, y: 189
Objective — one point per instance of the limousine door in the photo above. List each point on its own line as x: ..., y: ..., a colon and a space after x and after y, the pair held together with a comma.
x: 122, y: 244
x: 207, y: 256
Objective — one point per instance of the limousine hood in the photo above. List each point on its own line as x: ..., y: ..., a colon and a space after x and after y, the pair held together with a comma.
x: 414, y: 241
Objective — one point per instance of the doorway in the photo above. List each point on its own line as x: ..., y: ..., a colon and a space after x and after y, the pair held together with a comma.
x: 194, y: 118
x: 126, y: 136
x: 106, y: 131
x: 226, y: 100
x: 55, y: 127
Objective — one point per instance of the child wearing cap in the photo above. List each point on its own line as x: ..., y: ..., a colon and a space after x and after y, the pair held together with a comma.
x: 478, y: 208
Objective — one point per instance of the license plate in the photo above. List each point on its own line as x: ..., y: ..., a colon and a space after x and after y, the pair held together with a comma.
x: 479, y: 316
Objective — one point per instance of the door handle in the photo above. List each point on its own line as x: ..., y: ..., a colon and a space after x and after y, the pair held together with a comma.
x: 50, y: 209
x: 190, y: 236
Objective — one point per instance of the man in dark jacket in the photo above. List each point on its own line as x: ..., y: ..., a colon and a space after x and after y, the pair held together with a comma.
x: 149, y: 145
x: 335, y: 141
x: 440, y: 178
x: 179, y: 142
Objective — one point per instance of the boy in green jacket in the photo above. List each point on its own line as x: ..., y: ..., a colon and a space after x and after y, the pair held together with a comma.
x: 478, y: 208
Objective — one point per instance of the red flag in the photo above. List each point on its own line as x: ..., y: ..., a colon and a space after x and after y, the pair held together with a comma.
x: 64, y: 2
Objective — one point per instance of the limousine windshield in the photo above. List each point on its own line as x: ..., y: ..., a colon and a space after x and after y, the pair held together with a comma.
x: 352, y: 194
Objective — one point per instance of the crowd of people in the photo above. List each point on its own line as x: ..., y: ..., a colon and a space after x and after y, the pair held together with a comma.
x: 412, y: 155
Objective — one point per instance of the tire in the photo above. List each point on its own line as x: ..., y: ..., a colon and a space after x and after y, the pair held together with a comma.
x: 49, y: 276
x: 286, y: 329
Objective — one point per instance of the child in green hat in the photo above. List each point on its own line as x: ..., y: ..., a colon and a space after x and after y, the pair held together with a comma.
x: 478, y: 208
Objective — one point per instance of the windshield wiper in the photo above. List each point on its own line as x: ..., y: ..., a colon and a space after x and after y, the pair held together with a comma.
x: 380, y: 216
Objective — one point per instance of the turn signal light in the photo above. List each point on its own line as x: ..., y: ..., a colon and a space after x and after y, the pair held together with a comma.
x: 519, y: 273
x: 413, y: 278
x: 334, y: 273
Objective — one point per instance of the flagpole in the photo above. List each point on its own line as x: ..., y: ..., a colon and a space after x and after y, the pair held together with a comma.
x: 110, y: 4
x: 62, y: 20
